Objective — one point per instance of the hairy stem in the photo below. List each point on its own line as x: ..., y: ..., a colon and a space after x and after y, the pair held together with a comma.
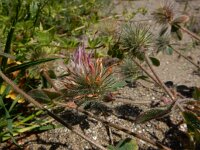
x: 190, y: 33
x: 46, y: 75
x: 158, y: 79
x: 40, y: 106
x: 162, y: 85
x: 196, y: 65
x: 143, y: 69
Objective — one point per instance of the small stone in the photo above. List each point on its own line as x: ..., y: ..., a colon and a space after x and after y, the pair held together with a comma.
x: 94, y: 137
x: 139, y: 131
x: 183, y: 127
x: 148, y: 125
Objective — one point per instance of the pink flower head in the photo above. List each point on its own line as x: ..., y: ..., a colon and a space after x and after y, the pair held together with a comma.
x: 79, y: 55
x: 82, y: 61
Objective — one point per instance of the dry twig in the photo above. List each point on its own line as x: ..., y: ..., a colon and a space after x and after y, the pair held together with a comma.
x: 40, y: 106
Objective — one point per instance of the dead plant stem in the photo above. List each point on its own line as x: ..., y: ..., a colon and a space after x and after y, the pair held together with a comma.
x: 143, y: 69
x: 126, y: 130
x: 158, y: 79
x: 153, y: 78
x: 190, y: 33
x: 40, y: 106
x: 196, y: 65
x: 46, y: 75
x: 161, y: 83
x: 139, y: 136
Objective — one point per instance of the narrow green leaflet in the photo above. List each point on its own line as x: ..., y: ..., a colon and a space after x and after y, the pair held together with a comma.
x: 52, y: 74
x: 44, y: 95
x: 193, y: 125
x: 196, y: 94
x: 28, y: 64
x: 51, y: 94
x: 115, y: 51
x: 118, y: 85
x: 127, y: 144
x: 39, y: 95
x: 46, y: 127
x: 155, y: 61
x: 25, y: 129
x: 163, y: 30
x: 169, y: 50
x: 153, y: 114
x: 176, y: 32
x: 191, y: 120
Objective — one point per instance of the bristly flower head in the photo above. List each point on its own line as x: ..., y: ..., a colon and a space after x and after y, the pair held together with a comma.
x: 130, y: 70
x: 136, y: 38
x: 88, y: 78
x: 81, y: 61
x: 163, y: 44
x: 170, y: 22
x: 165, y: 14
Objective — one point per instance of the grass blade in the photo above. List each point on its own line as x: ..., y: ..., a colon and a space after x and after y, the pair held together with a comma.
x: 28, y: 64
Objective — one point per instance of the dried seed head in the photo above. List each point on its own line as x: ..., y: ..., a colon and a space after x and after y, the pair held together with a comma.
x: 136, y: 38
x: 165, y: 14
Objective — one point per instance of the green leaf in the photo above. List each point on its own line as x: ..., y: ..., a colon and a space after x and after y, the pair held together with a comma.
x: 175, y: 27
x: 46, y: 127
x: 44, y: 95
x: 110, y: 147
x: 52, y: 74
x: 115, y: 51
x: 3, y: 123
x: 127, y: 144
x: 28, y: 64
x: 51, y: 94
x: 155, y: 61
x: 196, y: 94
x: 197, y: 137
x: 176, y: 32
x: 14, y: 103
x: 179, y: 34
x: 163, y: 30
x: 118, y: 85
x: 34, y: 8
x: 152, y: 114
x: 169, y: 50
x: 39, y: 95
x: 142, y: 77
x: 93, y: 43
x: 193, y: 125
x: 191, y: 120
x: 23, y: 130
